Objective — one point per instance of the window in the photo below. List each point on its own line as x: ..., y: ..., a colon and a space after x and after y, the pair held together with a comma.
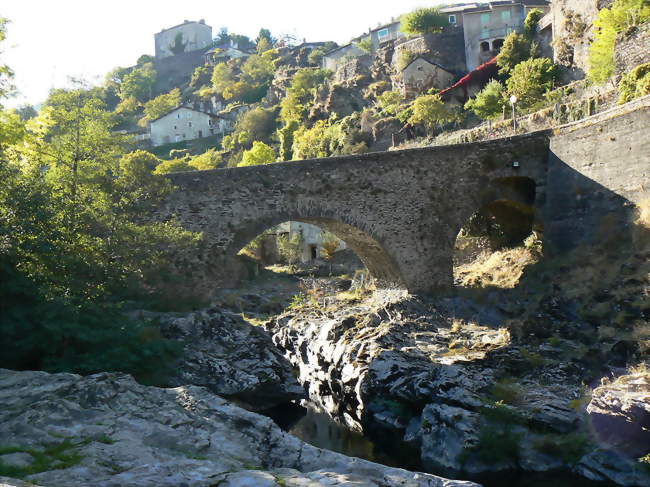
x: 383, y: 33
x: 452, y: 19
x: 505, y: 15
x: 178, y: 115
x: 211, y: 131
x: 200, y: 134
x: 485, y: 19
x: 175, y: 127
x: 189, y: 124
x: 177, y: 137
x: 210, y: 122
x: 485, y: 46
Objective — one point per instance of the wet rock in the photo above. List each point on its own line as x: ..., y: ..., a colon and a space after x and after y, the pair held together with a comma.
x: 231, y: 358
x: 124, y: 434
x: 604, y: 465
x: 620, y: 413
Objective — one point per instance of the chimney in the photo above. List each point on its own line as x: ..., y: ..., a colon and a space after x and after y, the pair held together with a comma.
x: 202, y: 21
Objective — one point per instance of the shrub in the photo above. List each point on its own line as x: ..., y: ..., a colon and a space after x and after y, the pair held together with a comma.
x: 623, y: 15
x: 290, y: 248
x: 530, y: 80
x: 210, y: 159
x: 365, y: 44
x: 515, y: 49
x: 175, y: 165
x: 432, y: 112
x: 489, y: 102
x: 406, y: 57
x: 390, y: 101
x: 295, y: 106
x: 258, y: 155
x: 423, y: 21
x: 635, y: 84
x: 316, y: 57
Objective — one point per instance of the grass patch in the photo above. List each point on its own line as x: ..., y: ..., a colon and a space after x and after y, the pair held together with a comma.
x: 570, y: 447
x: 53, y: 456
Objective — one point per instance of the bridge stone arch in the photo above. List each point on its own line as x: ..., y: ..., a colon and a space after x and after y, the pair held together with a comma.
x: 372, y: 252
x: 400, y: 211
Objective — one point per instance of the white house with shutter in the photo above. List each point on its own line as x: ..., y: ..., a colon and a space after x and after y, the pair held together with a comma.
x: 184, y: 123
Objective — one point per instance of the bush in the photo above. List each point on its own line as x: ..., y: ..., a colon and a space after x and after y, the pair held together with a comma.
x: 623, y: 15
x: 635, y: 84
x: 432, y: 112
x: 210, y: 159
x: 530, y: 80
x: 175, y: 165
x: 259, y: 154
x: 390, y: 102
x: 365, y: 44
x: 489, y: 102
x: 423, y: 21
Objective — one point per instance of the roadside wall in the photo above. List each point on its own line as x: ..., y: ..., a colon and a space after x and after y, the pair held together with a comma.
x: 599, y: 169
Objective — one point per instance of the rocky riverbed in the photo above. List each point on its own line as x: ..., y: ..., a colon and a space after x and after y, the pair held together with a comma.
x: 108, y: 430
x: 466, y: 398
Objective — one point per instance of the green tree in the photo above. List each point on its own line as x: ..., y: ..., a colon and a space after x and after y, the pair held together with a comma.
x: 623, y: 15
x: 285, y: 134
x: 139, y: 83
x: 423, y: 21
x: 390, y: 102
x: 520, y: 47
x: 530, y: 80
x: 210, y: 159
x: 515, y: 49
x: 489, y: 102
x: 315, y: 57
x: 144, y: 59
x: 174, y: 165
x: 73, y: 245
x: 432, y: 112
x: 259, y: 154
x: 6, y: 74
x: 296, y: 105
x: 290, y: 248
x: 635, y: 84
x: 365, y: 44
x: 160, y: 105
x: 222, y: 77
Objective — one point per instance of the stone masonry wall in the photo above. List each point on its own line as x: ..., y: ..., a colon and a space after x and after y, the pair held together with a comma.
x: 599, y: 169
x: 633, y: 50
x: 399, y: 211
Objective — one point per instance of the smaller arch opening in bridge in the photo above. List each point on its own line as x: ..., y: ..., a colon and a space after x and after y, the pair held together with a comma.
x: 501, y: 238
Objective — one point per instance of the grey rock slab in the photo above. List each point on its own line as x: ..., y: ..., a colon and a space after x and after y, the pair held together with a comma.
x: 230, y: 357
x: 129, y: 434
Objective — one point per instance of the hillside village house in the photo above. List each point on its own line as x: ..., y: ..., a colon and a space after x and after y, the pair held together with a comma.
x: 421, y: 75
x: 184, y: 123
x: 193, y: 35
x: 486, y: 25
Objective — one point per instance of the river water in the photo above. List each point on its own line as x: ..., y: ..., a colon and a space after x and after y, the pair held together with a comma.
x: 318, y: 429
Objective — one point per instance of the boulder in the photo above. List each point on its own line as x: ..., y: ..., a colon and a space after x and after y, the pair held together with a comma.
x: 107, y: 430
x: 231, y: 358
x: 619, y: 413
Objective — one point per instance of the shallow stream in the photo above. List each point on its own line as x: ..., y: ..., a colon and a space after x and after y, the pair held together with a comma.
x: 318, y: 429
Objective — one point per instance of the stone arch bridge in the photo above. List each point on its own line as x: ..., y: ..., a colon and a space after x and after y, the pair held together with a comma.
x: 400, y: 211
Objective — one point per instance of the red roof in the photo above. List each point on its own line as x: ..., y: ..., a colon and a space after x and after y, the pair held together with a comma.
x: 481, y: 74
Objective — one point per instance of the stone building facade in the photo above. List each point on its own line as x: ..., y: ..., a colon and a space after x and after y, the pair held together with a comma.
x: 193, y: 36
x: 487, y: 25
x: 421, y: 75
x: 573, y: 33
x: 184, y: 123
